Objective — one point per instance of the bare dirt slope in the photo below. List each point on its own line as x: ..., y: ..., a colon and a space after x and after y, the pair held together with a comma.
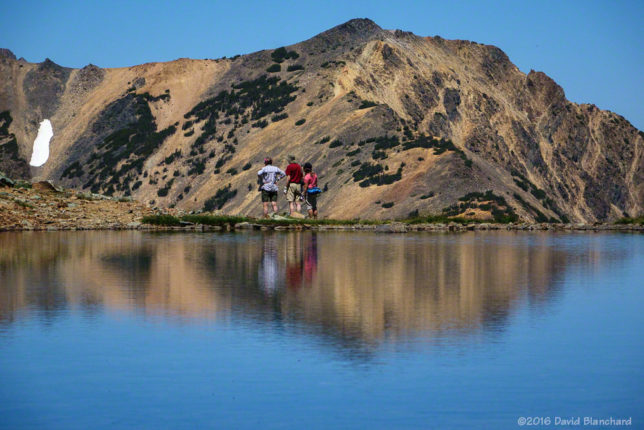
x: 394, y: 124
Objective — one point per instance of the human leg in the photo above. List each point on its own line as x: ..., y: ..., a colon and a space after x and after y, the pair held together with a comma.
x: 314, y: 205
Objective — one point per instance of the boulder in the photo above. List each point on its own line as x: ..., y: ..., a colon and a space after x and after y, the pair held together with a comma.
x: 6, y: 181
x: 46, y: 186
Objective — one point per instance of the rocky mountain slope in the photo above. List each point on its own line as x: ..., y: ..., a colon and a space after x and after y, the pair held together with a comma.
x: 395, y: 124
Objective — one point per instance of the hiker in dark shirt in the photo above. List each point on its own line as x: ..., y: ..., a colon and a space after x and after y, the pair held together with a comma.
x: 294, y: 186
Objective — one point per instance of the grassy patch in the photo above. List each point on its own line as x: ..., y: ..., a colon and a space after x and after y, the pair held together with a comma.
x: 440, y: 219
x: 168, y: 220
x: 636, y: 221
x: 213, y: 219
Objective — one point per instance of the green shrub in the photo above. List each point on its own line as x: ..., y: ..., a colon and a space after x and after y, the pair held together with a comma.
x: 367, y: 104
x: 382, y: 179
x: 220, y: 163
x: 336, y: 143
x: 386, y: 142
x: 281, y: 54
x: 279, y: 117
x: 378, y: 155
x: 260, y: 124
x: 388, y: 205
x: 300, y: 121
x: 367, y: 170
x: 232, y: 171
x: 162, y: 192
x: 247, y: 166
x: 197, y: 168
x: 220, y: 198
x: 274, y: 68
x: 74, y: 170
x: 170, y: 158
x: 294, y: 67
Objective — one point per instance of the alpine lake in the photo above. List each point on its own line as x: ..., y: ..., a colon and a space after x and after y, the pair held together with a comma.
x: 319, y: 330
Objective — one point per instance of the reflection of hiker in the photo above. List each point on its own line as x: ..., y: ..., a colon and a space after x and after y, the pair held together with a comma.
x: 268, y: 268
x: 294, y: 186
x: 294, y: 261
x: 269, y: 176
x: 311, y: 190
x: 311, y: 258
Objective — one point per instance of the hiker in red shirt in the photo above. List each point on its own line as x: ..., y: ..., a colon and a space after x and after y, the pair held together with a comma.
x: 294, y: 186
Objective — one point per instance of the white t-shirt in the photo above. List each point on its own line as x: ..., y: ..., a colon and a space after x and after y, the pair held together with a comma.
x: 271, y: 174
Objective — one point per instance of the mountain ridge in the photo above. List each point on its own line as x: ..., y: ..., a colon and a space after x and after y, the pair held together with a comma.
x: 425, y: 125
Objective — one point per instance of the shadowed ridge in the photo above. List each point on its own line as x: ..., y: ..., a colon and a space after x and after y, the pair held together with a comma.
x: 357, y: 25
x: 6, y: 53
x: 351, y: 32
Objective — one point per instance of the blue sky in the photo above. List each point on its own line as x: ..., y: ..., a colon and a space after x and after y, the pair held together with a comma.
x: 593, y: 49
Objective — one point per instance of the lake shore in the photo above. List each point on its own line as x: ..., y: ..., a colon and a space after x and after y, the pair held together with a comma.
x: 44, y: 207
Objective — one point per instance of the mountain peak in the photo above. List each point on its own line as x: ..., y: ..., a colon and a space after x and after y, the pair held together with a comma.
x: 352, y: 32
x: 358, y: 25
x: 6, y: 53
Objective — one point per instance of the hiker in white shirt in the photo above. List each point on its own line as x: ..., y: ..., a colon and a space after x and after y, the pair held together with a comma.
x: 269, y: 175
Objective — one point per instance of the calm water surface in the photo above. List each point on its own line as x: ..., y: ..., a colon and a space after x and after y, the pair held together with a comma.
x: 318, y: 330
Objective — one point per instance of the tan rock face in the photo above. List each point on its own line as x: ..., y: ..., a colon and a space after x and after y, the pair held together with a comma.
x: 355, y: 101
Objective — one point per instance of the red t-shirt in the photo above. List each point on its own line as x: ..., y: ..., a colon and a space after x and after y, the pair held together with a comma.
x: 295, y: 174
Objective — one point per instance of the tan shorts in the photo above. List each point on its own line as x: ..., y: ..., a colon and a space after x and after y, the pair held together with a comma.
x: 293, y: 192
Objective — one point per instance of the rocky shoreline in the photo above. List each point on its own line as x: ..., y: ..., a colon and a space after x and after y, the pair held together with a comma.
x: 399, y: 227
x: 41, y: 206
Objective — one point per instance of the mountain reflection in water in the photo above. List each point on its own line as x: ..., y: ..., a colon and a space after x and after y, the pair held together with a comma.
x: 358, y: 288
